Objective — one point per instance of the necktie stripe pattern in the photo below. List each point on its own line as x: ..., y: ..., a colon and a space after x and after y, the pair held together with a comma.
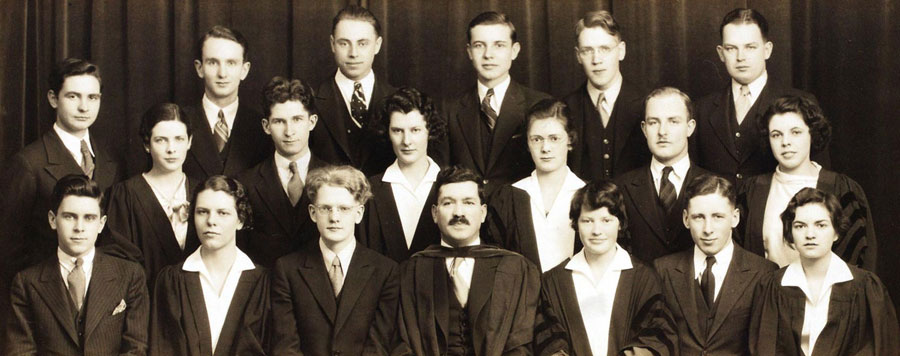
x: 220, y: 133
x: 75, y: 279
x: 489, y: 112
x: 667, y: 193
x: 87, y: 160
x: 295, y: 184
x: 358, y: 105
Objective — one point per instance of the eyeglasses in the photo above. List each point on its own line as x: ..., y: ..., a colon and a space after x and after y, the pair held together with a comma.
x: 601, y: 51
x: 342, y: 209
x: 539, y: 140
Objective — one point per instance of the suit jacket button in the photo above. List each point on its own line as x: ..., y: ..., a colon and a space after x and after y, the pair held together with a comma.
x: 486, y: 181
x: 606, y: 156
x: 739, y: 176
x: 737, y: 134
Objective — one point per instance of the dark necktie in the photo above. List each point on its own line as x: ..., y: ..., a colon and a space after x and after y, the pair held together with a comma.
x: 708, y: 282
x: 358, y: 105
x: 76, y: 284
x: 87, y: 160
x: 666, y: 190
x: 295, y: 184
x: 489, y: 113
x: 221, y: 131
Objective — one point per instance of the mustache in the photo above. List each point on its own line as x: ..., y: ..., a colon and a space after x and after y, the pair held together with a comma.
x: 459, y: 220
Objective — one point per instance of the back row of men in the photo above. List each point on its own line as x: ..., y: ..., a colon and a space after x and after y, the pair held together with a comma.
x: 368, y: 124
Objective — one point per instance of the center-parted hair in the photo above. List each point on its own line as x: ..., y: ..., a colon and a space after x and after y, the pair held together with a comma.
x: 809, y: 110
x: 805, y: 196
x: 78, y: 185
x: 741, y: 16
x: 219, y: 31
x: 71, y: 67
x: 280, y: 90
x: 159, y: 113
x: 659, y: 92
x: 459, y: 174
x: 405, y: 100
x: 232, y: 187
x: 358, y: 13
x: 706, y: 184
x: 598, y: 19
x: 491, y: 18
x: 551, y: 109
x: 344, y: 176
x: 598, y: 194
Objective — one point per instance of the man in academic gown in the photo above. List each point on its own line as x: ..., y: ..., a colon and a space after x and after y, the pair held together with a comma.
x: 712, y: 288
x: 462, y: 297
x: 281, y: 222
x: 346, y: 104
x: 606, y: 109
x: 728, y: 138
x: 335, y: 296
x: 487, y: 122
x: 227, y: 136
x: 654, y: 193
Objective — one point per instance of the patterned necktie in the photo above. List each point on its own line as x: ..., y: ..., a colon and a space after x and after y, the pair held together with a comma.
x: 76, y: 284
x: 459, y: 285
x: 87, y: 160
x: 742, y: 104
x: 295, y: 184
x: 604, y: 115
x: 708, y: 282
x: 489, y: 113
x: 358, y: 105
x: 221, y: 131
x: 336, y: 275
x: 667, y: 190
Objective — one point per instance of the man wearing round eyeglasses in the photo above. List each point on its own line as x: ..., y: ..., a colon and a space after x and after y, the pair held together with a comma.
x: 606, y: 109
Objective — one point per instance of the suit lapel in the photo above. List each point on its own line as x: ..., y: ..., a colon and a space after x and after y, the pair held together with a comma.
x: 203, y: 146
x: 273, y: 195
x: 644, y: 194
x: 240, y: 143
x: 572, y: 313
x: 357, y: 280
x: 733, y: 287
x: 316, y: 277
x: 233, y: 317
x: 101, y: 297
x: 60, y: 162
x: 440, y: 293
x: 511, y: 117
x: 470, y: 118
x: 53, y: 290
x: 576, y: 155
x: 622, y: 125
x: 757, y: 109
x: 154, y: 212
x: 683, y: 280
x: 719, y: 121
x: 105, y: 167
x: 389, y: 219
x: 198, y: 309
x: 331, y: 95
x: 483, y: 276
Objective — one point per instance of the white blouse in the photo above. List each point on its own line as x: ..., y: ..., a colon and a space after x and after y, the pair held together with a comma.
x: 783, y: 188
x: 176, y: 208
x: 596, y: 295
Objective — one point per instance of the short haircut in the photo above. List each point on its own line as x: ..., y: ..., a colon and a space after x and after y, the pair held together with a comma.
x: 809, y: 110
x: 71, y: 67
x: 405, y: 100
x: 806, y: 196
x: 232, y: 187
x: 459, y: 174
x: 658, y: 92
x: 281, y: 90
x: 344, y: 176
x: 78, y: 185
x: 358, y: 13
x: 551, y: 109
x: 598, y: 19
x: 491, y: 18
x: 743, y: 16
x: 707, y: 184
x: 219, y: 31
x: 598, y: 194
x: 159, y: 113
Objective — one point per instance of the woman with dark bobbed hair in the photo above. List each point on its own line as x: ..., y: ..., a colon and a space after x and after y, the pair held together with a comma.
x: 819, y: 304
x: 795, y: 128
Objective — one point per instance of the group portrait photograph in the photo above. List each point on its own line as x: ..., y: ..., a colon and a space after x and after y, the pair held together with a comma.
x: 449, y: 177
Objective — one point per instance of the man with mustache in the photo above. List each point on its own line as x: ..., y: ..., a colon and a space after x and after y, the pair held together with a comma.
x: 441, y: 311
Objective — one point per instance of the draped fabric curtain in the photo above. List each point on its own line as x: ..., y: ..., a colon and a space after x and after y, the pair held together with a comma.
x: 843, y: 52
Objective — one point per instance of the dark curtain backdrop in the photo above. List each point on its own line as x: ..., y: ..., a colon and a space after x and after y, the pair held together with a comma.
x: 843, y: 52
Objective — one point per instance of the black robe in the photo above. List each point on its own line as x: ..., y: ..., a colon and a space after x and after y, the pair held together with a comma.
x: 639, y: 317
x: 179, y: 324
x: 861, y: 319
x: 382, y: 230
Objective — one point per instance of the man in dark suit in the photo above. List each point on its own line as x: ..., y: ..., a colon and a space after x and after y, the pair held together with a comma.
x: 281, y: 222
x: 487, y: 122
x: 712, y: 288
x: 335, y: 297
x: 654, y: 193
x: 81, y: 301
x: 462, y: 297
x: 227, y: 136
x: 728, y: 137
x: 346, y: 102
x: 606, y: 109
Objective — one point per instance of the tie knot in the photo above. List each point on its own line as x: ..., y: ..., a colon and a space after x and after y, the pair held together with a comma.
x: 357, y: 86
x: 78, y: 262
x: 336, y: 262
x: 710, y: 260
x: 221, y: 114
x: 293, y: 167
x: 745, y: 90
x: 601, y: 98
x: 666, y: 171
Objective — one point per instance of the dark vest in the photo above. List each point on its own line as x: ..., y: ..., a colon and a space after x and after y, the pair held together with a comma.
x: 742, y: 134
x: 459, y: 338
x: 705, y: 314
x: 602, y: 159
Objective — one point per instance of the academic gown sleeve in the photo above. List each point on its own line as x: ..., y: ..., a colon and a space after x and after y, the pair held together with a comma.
x: 167, y: 332
x: 858, y: 246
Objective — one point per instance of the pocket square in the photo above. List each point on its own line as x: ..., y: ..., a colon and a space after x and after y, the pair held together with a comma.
x: 120, y: 308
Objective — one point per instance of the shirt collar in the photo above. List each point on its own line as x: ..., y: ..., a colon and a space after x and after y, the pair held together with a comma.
x: 194, y: 263
x: 72, y: 143
x: 283, y: 163
x: 68, y: 262
x: 611, y: 93
x: 621, y: 261
x: 838, y: 272
x: 755, y: 86
x: 345, y: 254
x: 786, y: 177
x: 723, y: 258
x: 530, y: 184
x: 499, y: 92
x: 229, y: 110
x: 475, y: 242
x: 346, y: 85
x: 680, y: 168
x: 393, y: 174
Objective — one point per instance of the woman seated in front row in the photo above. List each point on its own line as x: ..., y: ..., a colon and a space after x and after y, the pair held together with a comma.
x: 602, y: 301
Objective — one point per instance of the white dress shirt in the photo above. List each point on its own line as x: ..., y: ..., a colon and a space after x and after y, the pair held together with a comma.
x: 553, y: 232
x: 719, y: 269
x: 410, y: 200
x: 783, y: 188
x: 345, y: 255
x: 679, y: 172
x: 282, y: 165
x: 212, y: 113
x: 73, y: 144
x: 596, y: 295
x: 756, y: 87
x: 466, y: 267
x: 815, y: 314
x: 345, y: 85
x: 499, y: 93
x: 179, y: 227
x: 610, y: 94
x: 67, y: 264
x: 217, y: 304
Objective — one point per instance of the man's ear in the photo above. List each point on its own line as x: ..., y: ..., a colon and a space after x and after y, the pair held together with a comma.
x: 198, y: 66
x: 102, y: 223
x: 52, y: 98
x: 313, y: 119
x: 51, y: 217
x: 434, y: 215
x: 516, y: 47
x: 245, y: 69
x: 721, y: 51
x: 265, y: 125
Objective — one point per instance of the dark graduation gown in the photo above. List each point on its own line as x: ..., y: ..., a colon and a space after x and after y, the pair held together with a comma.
x: 382, y: 230
x: 857, y: 247
x: 180, y: 325
x: 639, y: 317
x: 502, y: 303
x: 861, y: 319
x: 135, y: 214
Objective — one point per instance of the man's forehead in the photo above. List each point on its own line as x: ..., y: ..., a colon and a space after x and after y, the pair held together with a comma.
x: 222, y: 45
x: 76, y: 204
x: 491, y: 32
x: 742, y: 31
x: 353, y: 29
x: 458, y: 190
x: 82, y: 83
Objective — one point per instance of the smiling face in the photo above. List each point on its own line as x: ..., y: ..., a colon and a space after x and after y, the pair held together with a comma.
x: 790, y: 140
x: 492, y: 52
x: 667, y: 128
x: 222, y: 68
x: 599, y: 54
x: 77, y: 103
x: 599, y: 231
x: 77, y: 222
x: 169, y: 143
x: 355, y: 44
x: 459, y: 213
x: 548, y: 143
x: 336, y: 214
x: 710, y: 219
x: 289, y: 124
x: 216, y: 219
x: 409, y: 136
x: 813, y: 231
x: 744, y: 51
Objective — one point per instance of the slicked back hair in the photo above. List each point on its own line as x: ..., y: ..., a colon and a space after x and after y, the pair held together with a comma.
x: 219, y: 31
x: 358, y: 13
x: 707, y: 184
x: 659, y: 92
x: 71, y: 67
x: 741, y: 16
x: 78, y: 185
x: 491, y: 18
x: 598, y: 19
x: 459, y: 174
